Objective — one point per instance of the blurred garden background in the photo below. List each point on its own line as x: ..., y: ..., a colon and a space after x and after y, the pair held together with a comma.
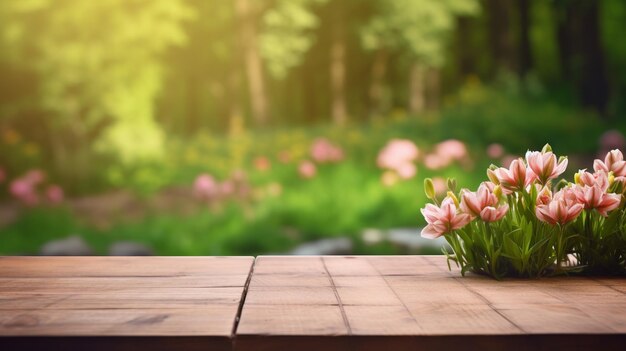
x: 206, y: 127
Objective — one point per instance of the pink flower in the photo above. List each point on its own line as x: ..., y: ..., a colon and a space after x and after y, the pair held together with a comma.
x: 24, y: 190
x: 35, y: 176
x: 613, y: 162
x: 516, y: 178
x: 323, y: 150
x: 593, y: 197
x: 205, y: 187
x: 562, y: 208
x: 495, y: 150
x: 451, y: 149
x: 307, y: 169
x: 407, y: 171
x: 544, y: 165
x: 434, y: 162
x: 483, y: 203
x: 440, y: 185
x: 389, y: 178
x: 599, y: 178
x: 262, y: 163
x: 443, y: 220
x: 397, y: 153
x: 55, y: 194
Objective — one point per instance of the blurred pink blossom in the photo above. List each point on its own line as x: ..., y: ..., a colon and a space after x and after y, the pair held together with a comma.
x: 507, y: 160
x: 35, y: 176
x: 55, y: 194
x: 495, y: 150
x: 307, y: 169
x: 389, y: 178
x: 323, y: 151
x: 284, y: 156
x: 451, y: 149
x: 399, y: 156
x: 205, y: 187
x: 227, y: 188
x: 407, y: 171
x: 439, y: 185
x: 262, y: 163
x: 23, y: 190
x: 434, y: 162
x: 612, y: 139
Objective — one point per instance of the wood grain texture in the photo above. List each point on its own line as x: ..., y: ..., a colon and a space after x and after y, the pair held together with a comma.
x: 416, y: 303
x: 125, y: 303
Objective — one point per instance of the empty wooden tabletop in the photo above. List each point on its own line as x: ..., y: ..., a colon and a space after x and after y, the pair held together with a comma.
x: 416, y: 303
x: 120, y: 303
x: 297, y: 303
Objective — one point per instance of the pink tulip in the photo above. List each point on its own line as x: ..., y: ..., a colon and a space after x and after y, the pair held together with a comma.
x: 516, y: 178
x: 599, y: 178
x: 544, y: 165
x: 613, y: 162
x: 483, y: 203
x: 562, y: 208
x: 307, y: 169
x: 593, y: 197
x: 443, y: 220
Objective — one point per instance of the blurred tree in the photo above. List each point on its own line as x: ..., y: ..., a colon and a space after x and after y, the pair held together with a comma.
x: 287, y: 34
x: 581, y: 52
x: 248, y: 18
x: 419, y: 30
x: 100, y: 70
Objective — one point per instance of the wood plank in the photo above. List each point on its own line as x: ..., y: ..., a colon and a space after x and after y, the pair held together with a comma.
x: 413, y: 302
x: 125, y: 303
x: 120, y: 266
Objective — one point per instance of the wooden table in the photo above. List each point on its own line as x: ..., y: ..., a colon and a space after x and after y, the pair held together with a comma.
x: 120, y: 303
x: 297, y: 303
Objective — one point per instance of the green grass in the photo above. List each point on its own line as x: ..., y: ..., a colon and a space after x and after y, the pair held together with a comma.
x: 342, y: 200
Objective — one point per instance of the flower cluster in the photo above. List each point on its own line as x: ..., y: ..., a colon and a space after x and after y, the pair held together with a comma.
x: 523, y: 223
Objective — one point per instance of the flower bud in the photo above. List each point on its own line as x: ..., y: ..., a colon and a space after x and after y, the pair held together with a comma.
x: 546, y: 148
x: 454, y: 198
x: 611, y: 178
x: 562, y: 158
x: 492, y: 177
x: 452, y: 184
x: 429, y: 188
x: 577, y: 178
x: 497, y: 191
x: 493, y: 167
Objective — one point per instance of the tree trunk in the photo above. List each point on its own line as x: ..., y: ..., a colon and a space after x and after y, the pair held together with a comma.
x: 500, y: 35
x: 417, y: 98
x: 338, y: 73
x: 433, y: 88
x: 376, y: 91
x: 525, y: 50
x: 594, y: 83
x: 252, y: 60
x: 464, y: 53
